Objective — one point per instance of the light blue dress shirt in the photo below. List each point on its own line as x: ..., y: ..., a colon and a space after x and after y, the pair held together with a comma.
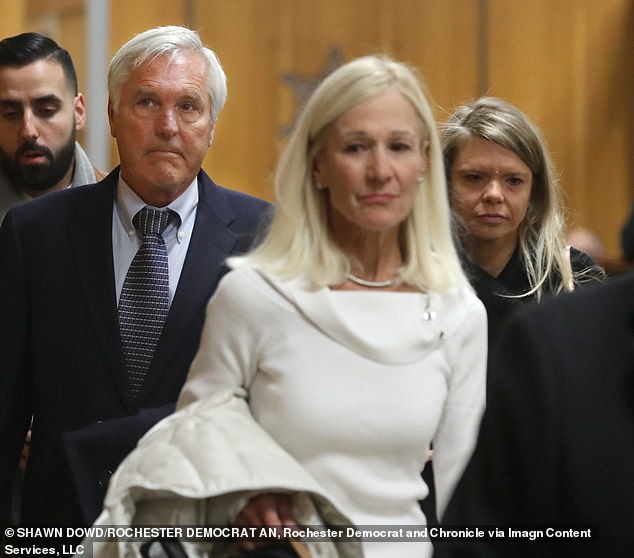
x: 126, y: 242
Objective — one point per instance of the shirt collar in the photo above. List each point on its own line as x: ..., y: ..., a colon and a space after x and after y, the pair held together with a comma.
x: 129, y: 204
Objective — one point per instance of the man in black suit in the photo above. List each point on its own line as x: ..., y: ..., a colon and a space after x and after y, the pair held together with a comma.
x: 64, y: 260
x: 556, y: 444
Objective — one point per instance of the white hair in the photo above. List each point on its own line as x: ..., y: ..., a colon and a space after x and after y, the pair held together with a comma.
x: 169, y: 41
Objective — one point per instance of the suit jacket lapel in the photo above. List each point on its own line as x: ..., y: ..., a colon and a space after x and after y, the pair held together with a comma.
x: 90, y: 233
x: 210, y: 245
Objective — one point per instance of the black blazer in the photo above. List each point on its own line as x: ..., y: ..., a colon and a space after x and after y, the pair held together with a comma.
x: 95, y: 451
x: 60, y: 352
x: 556, y: 444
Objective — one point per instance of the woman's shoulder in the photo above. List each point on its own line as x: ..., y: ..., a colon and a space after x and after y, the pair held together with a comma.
x: 239, y: 277
x: 251, y: 287
x: 461, y: 295
x: 236, y: 281
x: 459, y: 305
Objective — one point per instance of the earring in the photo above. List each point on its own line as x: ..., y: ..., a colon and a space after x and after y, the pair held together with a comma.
x: 319, y: 185
x: 421, y: 181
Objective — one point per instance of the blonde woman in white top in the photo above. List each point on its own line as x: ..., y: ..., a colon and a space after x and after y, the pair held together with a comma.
x: 351, y: 328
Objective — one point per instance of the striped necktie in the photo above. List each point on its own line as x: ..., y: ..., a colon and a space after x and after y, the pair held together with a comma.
x: 144, y: 300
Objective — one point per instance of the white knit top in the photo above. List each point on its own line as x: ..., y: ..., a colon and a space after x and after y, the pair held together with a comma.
x: 356, y: 385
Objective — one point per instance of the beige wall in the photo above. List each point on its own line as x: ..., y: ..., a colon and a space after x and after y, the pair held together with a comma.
x: 13, y: 17
x: 567, y: 63
x: 261, y: 42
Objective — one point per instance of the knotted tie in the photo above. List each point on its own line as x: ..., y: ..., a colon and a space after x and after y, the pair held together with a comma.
x: 144, y: 300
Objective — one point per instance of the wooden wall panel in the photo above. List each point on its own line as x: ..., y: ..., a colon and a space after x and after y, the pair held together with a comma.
x: 261, y: 42
x: 441, y: 40
x: 566, y: 64
x: 606, y: 171
x: 72, y: 36
x: 36, y: 8
x: 131, y: 17
x: 13, y: 17
x: 64, y: 21
x: 244, y: 34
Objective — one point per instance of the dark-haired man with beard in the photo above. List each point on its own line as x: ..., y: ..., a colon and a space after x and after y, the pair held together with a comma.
x: 41, y: 111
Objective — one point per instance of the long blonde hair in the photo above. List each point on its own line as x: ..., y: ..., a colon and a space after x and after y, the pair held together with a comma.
x: 541, y: 234
x: 298, y: 242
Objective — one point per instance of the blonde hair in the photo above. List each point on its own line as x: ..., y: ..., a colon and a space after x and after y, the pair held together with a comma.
x: 541, y: 233
x: 298, y: 242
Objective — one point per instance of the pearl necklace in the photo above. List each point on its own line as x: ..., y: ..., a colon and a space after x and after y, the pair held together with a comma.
x: 372, y: 284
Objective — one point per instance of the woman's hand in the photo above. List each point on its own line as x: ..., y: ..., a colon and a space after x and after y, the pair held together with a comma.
x: 265, y: 510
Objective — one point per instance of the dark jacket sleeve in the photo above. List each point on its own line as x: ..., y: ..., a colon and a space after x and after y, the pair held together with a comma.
x: 95, y: 451
x: 15, y: 377
x: 510, y: 479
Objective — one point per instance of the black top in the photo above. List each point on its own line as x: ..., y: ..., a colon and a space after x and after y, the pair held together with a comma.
x: 494, y: 291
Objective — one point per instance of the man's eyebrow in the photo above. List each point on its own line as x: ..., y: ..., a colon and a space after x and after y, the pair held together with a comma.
x: 192, y: 98
x: 9, y: 103
x: 52, y: 98
x: 144, y: 91
x: 190, y: 95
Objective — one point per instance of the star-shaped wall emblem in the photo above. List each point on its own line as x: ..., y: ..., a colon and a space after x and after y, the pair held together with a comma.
x: 302, y: 86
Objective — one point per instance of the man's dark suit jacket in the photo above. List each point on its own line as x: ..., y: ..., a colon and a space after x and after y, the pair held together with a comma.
x: 60, y: 352
x: 556, y: 444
